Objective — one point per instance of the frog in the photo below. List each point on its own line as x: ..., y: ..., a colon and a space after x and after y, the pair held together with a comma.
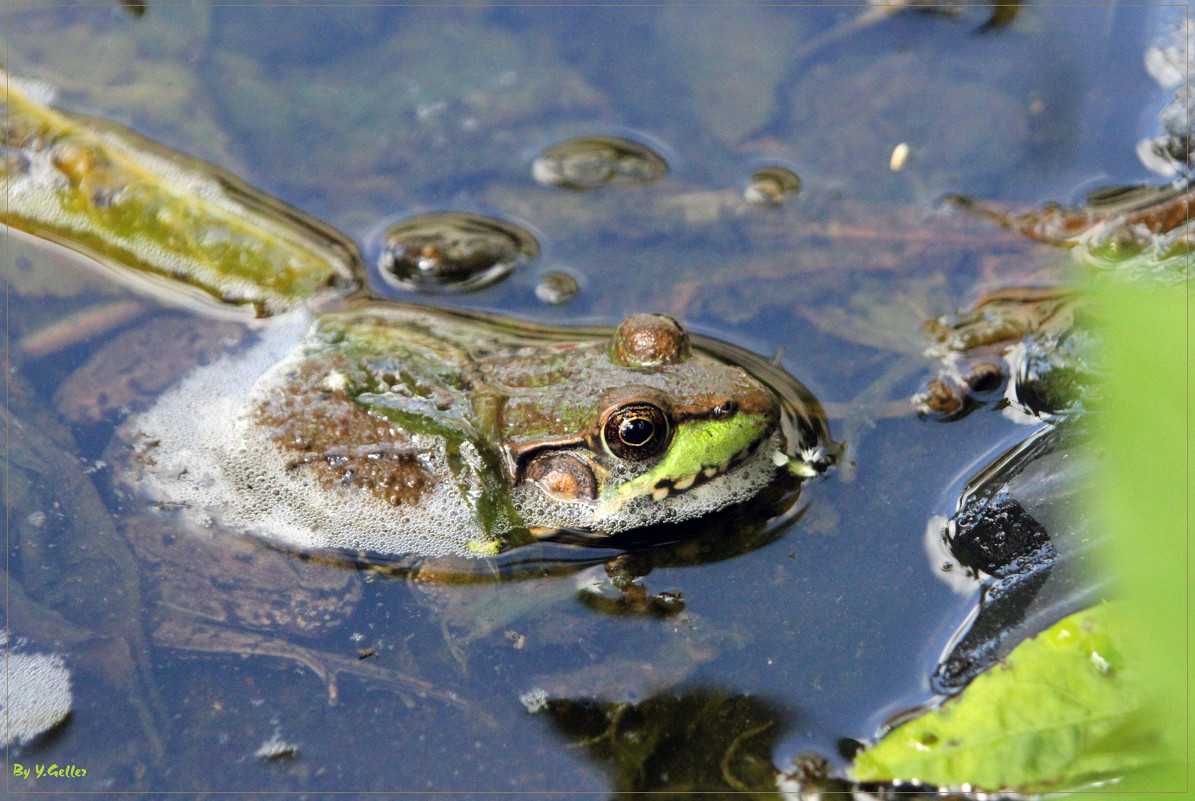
x: 466, y: 434
x: 398, y: 428
x: 167, y: 507
x: 293, y: 432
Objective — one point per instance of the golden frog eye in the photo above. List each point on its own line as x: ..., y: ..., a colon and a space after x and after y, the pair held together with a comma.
x: 636, y: 431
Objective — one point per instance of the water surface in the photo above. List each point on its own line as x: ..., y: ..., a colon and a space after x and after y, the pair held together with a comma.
x: 363, y: 115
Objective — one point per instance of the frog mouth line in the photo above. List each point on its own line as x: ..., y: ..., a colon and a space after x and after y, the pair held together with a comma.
x: 665, y: 487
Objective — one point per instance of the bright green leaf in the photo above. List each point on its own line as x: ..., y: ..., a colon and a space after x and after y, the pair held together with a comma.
x: 1142, y: 431
x: 1061, y: 711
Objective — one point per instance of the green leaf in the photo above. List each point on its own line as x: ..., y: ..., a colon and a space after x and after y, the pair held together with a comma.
x: 1142, y: 431
x: 1064, y: 709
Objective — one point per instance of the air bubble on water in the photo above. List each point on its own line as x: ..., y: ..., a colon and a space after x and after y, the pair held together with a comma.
x: 555, y: 288
x: 771, y: 186
x: 452, y: 251
x: 589, y: 162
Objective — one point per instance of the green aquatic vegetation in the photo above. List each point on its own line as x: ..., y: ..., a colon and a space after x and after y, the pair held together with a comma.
x: 1062, y: 710
x: 460, y: 92
x: 130, y: 203
x: 702, y: 743
x: 139, y: 71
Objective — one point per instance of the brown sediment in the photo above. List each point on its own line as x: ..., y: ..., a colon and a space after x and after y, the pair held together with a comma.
x: 233, y: 580
x: 1158, y: 210
x: 1004, y: 316
x: 138, y: 364
x: 1165, y: 216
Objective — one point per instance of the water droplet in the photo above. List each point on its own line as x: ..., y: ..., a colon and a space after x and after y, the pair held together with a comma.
x: 1065, y: 633
x: 925, y: 740
x: 1101, y: 664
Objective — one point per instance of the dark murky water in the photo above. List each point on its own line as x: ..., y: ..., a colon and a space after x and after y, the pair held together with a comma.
x: 363, y: 115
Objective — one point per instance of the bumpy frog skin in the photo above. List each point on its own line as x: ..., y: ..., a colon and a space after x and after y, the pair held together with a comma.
x: 400, y: 429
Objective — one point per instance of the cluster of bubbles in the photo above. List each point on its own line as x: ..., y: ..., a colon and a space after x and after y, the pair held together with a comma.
x: 38, y: 692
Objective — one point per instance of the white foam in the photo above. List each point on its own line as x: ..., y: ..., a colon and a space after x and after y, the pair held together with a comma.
x: 38, y: 695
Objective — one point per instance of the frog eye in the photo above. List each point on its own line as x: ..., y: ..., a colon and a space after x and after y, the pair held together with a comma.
x: 636, y: 431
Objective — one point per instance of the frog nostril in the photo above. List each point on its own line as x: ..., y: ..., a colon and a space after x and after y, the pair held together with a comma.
x: 725, y: 409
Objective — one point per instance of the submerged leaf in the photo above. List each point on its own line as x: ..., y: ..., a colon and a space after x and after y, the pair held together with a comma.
x: 1063, y: 709
x: 105, y: 191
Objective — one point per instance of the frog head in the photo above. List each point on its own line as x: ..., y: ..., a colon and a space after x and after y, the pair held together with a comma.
x: 645, y: 429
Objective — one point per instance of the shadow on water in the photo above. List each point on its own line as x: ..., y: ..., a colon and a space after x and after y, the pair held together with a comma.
x: 693, y: 744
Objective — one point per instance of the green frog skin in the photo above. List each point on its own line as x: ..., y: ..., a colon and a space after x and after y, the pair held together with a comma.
x: 399, y: 429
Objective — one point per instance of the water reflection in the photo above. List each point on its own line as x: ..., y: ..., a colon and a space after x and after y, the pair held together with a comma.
x: 1022, y: 539
x: 693, y: 744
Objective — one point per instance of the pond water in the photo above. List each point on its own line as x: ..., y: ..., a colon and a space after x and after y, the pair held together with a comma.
x: 806, y: 641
